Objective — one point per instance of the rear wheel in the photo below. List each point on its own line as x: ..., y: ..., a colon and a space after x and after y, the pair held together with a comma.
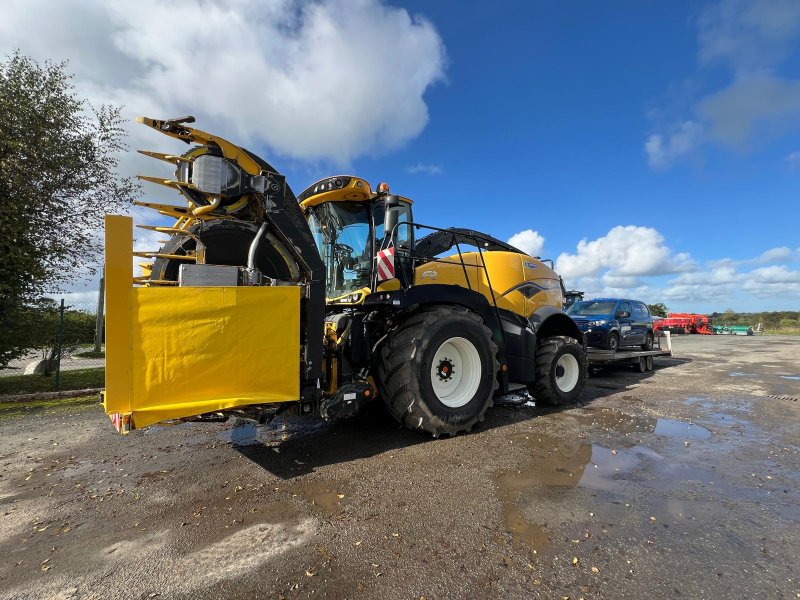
x: 648, y: 342
x: 437, y: 372
x: 560, y: 371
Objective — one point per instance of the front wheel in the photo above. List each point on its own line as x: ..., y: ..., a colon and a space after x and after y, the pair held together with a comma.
x: 560, y: 371
x: 437, y: 372
x: 613, y: 341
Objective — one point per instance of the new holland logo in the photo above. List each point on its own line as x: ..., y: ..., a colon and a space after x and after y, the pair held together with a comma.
x: 385, y: 266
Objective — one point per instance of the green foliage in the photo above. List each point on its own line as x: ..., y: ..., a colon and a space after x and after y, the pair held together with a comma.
x: 777, y: 321
x: 42, y: 327
x: 58, y: 160
x: 78, y: 379
x: 658, y: 310
x: 11, y: 410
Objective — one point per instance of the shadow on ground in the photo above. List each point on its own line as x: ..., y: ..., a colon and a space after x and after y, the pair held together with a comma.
x: 304, y: 444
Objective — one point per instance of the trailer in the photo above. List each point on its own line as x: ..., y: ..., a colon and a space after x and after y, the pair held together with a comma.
x: 640, y: 360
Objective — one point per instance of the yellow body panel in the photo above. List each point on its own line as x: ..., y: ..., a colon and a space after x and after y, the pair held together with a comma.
x: 356, y: 191
x: 181, y: 352
x: 507, y: 270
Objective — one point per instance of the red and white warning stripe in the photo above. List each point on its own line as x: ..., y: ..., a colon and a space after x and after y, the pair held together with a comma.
x: 385, y: 264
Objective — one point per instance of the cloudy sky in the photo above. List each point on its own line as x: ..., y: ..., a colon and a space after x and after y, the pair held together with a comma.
x: 651, y: 149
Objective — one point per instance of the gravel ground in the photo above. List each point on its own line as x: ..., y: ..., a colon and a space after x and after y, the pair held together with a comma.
x: 682, y: 482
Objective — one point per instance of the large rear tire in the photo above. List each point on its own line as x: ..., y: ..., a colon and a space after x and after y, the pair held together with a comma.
x: 227, y: 242
x: 437, y: 372
x: 560, y: 371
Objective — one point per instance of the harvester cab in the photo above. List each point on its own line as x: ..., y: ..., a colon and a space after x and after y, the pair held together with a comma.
x: 260, y: 301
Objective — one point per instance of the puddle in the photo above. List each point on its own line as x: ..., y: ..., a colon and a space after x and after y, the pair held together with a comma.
x: 247, y: 433
x: 323, y: 495
x: 791, y: 377
x: 559, y: 466
x: 742, y: 374
x: 681, y: 429
x: 609, y: 419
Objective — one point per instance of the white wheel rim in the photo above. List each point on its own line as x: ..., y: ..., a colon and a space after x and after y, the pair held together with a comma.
x: 567, y: 372
x: 456, y: 372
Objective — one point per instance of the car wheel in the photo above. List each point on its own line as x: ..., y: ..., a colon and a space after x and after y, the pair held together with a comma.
x: 648, y: 342
x: 613, y: 340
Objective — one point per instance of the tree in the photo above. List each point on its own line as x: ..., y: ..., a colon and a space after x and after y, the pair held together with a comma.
x: 58, y: 160
x: 658, y: 310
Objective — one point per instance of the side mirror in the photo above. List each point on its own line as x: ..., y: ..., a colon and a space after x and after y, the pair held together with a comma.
x: 390, y: 204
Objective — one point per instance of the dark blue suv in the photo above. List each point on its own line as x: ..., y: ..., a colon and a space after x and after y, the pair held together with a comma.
x: 614, y: 322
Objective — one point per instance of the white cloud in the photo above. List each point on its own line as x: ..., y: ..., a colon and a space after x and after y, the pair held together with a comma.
x: 620, y: 282
x: 425, y: 169
x: 529, y: 241
x: 632, y: 261
x: 780, y: 254
x: 793, y: 160
x: 664, y: 149
x: 625, y: 251
x: 750, y: 39
x: 758, y: 106
x: 775, y: 282
x: 328, y: 80
x: 747, y: 35
x: 774, y: 274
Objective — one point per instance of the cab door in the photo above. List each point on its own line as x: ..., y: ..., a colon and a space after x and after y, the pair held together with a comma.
x: 640, y: 321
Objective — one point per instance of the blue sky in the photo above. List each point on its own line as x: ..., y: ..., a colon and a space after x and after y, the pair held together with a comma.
x: 651, y: 148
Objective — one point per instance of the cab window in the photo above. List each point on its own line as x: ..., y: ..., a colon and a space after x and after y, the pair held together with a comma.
x: 403, y: 233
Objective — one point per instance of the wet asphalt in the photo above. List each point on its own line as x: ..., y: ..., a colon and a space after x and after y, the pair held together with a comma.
x: 677, y: 483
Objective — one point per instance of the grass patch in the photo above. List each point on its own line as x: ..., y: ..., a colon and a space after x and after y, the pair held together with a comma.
x: 79, y: 379
x: 90, y: 354
x: 782, y: 331
x: 14, y: 409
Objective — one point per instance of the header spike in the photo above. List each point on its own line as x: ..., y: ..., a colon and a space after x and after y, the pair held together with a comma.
x: 170, y: 158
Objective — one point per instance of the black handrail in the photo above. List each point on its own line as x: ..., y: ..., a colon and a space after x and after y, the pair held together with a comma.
x: 390, y: 241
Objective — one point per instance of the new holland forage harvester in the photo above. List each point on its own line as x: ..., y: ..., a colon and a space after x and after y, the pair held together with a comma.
x: 260, y: 301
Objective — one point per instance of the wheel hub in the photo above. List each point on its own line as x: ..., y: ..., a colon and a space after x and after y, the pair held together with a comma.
x: 455, y: 372
x: 444, y: 370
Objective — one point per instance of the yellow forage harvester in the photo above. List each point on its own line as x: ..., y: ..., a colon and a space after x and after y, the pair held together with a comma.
x: 261, y: 301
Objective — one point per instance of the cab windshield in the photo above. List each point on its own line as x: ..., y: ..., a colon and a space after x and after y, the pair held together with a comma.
x: 588, y: 308
x: 343, y: 233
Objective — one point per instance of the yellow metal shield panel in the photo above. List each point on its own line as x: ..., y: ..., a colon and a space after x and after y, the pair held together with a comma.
x: 182, y: 351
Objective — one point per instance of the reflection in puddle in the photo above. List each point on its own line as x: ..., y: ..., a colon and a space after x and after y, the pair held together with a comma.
x: 741, y: 374
x: 791, y: 377
x: 247, y: 433
x: 682, y: 429
x: 558, y: 466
